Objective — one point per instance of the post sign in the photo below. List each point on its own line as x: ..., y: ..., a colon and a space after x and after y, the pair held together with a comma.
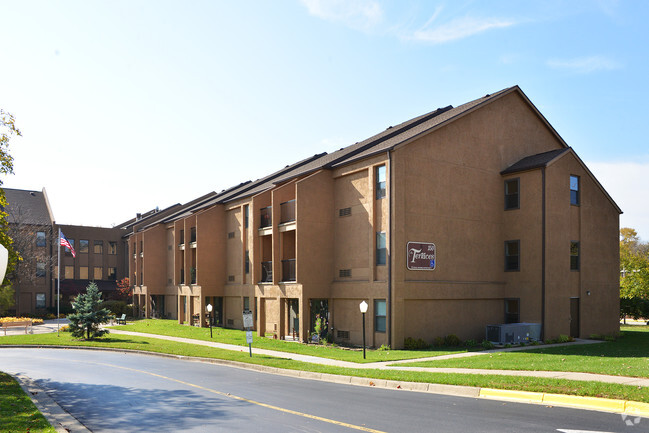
x: 248, y: 337
x: 247, y: 319
x: 421, y: 256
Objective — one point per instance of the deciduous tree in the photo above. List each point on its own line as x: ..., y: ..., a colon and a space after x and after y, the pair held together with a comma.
x: 634, y: 275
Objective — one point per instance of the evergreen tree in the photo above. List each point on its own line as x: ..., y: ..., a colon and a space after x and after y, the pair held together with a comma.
x: 88, y: 316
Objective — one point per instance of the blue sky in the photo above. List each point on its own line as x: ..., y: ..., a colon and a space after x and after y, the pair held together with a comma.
x: 129, y: 105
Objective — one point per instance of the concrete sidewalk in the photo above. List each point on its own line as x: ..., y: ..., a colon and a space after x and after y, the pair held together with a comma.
x: 47, y: 327
x: 624, y: 380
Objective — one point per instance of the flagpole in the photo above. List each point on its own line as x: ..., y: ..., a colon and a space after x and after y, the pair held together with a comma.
x: 58, y: 283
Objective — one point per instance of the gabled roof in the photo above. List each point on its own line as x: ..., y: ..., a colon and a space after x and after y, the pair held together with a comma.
x: 28, y: 207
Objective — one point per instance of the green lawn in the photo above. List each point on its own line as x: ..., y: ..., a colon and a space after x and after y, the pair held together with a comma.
x: 17, y: 412
x: 627, y: 356
x: 593, y: 389
x: 237, y: 337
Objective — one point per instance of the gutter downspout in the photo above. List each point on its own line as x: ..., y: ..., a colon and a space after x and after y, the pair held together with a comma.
x: 543, y: 228
x: 389, y: 301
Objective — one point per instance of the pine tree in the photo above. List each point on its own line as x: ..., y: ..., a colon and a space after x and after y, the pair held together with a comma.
x: 88, y: 316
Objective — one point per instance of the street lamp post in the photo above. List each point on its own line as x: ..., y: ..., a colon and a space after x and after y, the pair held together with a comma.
x: 209, y: 314
x: 363, y: 307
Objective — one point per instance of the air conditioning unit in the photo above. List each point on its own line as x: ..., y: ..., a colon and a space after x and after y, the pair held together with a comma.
x: 513, y: 333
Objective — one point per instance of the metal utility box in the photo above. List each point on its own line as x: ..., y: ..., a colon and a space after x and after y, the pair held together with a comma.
x: 513, y: 333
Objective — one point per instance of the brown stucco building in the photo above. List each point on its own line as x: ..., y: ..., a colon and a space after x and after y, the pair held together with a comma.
x: 460, y: 218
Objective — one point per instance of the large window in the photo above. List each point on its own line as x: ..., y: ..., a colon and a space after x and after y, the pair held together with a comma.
x: 83, y: 246
x: 98, y: 274
x: 112, y: 248
x: 83, y: 272
x: 574, y: 256
x: 40, y: 239
x: 40, y: 269
x: 381, y: 250
x: 112, y: 274
x: 69, y: 272
x: 40, y: 300
x: 512, y: 310
x: 574, y: 190
x: 98, y: 247
x: 379, y: 174
x: 512, y: 255
x: 379, y: 315
x: 247, y: 262
x: 512, y: 197
x: 67, y: 250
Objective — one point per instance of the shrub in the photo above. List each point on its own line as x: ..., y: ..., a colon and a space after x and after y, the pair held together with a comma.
x: 384, y: 347
x: 470, y: 343
x: 487, y: 345
x: 564, y: 339
x: 452, y: 340
x: 438, y: 342
x: 412, y: 344
x: 117, y: 308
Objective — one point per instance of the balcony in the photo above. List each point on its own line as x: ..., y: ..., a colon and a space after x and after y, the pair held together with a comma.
x: 288, y: 270
x: 287, y: 212
x: 266, y: 217
x: 266, y: 272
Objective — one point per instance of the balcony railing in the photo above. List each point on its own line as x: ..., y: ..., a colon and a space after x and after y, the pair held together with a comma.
x: 288, y: 270
x: 287, y: 211
x: 266, y: 272
x: 266, y: 217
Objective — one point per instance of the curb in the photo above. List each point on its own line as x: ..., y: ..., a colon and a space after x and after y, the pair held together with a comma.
x: 574, y: 401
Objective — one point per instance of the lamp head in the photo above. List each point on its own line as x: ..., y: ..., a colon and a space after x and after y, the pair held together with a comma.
x: 363, y: 306
x: 209, y: 308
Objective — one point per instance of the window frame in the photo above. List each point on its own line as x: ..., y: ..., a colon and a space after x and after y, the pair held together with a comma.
x: 100, y: 244
x: 41, y: 241
x: 381, y: 252
x: 380, y: 172
x: 84, y: 246
x: 508, y: 267
x: 380, y: 320
x: 517, y: 181
x: 42, y: 297
x: 41, y: 270
x: 575, y: 194
x: 575, y: 259
x: 112, y: 248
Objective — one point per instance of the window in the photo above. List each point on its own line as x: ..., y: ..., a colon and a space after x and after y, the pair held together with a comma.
x: 112, y: 274
x: 379, y: 173
x: 246, y: 216
x: 83, y: 246
x: 69, y: 272
x: 99, y: 247
x: 40, y: 239
x: 344, y: 273
x: 192, y: 235
x: 381, y: 250
x: 98, y: 273
x: 574, y: 190
x: 67, y: 250
x: 40, y: 300
x: 112, y: 248
x: 40, y: 269
x: 346, y: 211
x: 246, y: 303
x: 379, y: 315
x: 512, y: 255
x: 182, y: 237
x: 512, y: 198
x: 231, y: 235
x: 247, y: 262
x: 83, y: 272
x: 512, y: 310
x: 574, y: 256
x: 231, y: 278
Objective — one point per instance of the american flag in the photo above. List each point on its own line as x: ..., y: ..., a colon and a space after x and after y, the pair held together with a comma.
x: 65, y: 243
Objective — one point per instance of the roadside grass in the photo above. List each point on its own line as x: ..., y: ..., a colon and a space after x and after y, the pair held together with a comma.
x: 627, y: 356
x: 557, y: 386
x: 238, y: 338
x: 17, y: 412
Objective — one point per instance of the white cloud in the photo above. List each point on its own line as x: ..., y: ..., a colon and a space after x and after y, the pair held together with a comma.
x: 458, y: 28
x: 585, y: 65
x: 357, y: 14
x: 628, y: 185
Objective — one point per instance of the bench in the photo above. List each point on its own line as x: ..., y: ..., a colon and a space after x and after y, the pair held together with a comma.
x: 19, y: 324
x: 121, y: 320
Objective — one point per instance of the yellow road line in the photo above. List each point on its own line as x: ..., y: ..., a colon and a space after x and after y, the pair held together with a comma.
x: 228, y: 395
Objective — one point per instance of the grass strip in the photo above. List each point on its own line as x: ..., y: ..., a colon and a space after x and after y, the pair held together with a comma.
x: 556, y: 386
x: 627, y: 356
x: 17, y: 411
x: 238, y: 338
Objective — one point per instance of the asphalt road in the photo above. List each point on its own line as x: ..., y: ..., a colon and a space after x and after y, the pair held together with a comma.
x: 110, y: 392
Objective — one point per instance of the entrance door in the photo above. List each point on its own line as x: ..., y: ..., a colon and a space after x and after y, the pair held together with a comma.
x: 574, y: 317
x: 294, y: 318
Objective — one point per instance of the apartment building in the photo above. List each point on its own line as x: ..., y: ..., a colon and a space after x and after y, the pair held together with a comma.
x: 460, y: 218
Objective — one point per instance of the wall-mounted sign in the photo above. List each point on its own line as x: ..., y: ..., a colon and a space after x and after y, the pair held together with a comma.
x: 421, y: 256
